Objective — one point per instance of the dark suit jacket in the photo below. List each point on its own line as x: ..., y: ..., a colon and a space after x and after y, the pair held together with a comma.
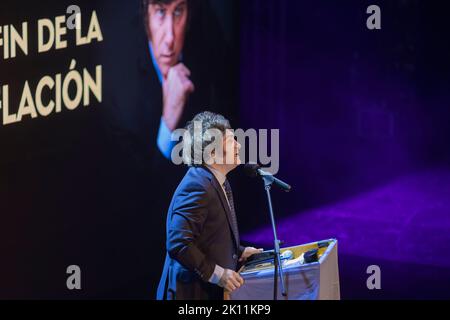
x: 199, y: 236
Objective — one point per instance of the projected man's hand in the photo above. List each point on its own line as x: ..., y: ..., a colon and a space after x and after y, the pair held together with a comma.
x: 176, y: 90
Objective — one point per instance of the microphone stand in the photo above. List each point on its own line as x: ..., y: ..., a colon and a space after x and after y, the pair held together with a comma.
x: 278, y: 268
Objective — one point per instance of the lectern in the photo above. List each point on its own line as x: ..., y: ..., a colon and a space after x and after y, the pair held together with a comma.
x: 317, y: 280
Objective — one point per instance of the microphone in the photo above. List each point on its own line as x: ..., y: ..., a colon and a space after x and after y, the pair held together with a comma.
x: 253, y: 170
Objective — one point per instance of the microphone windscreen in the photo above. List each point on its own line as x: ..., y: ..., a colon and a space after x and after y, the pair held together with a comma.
x: 250, y: 169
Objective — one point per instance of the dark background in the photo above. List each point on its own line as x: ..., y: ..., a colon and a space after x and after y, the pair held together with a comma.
x: 364, y: 130
x: 363, y: 118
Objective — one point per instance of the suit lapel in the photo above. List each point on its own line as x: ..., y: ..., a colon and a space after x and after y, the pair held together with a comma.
x: 225, y: 205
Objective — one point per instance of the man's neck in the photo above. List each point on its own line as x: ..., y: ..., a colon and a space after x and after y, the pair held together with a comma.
x: 220, y: 168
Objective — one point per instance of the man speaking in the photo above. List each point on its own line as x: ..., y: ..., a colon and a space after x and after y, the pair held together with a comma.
x: 203, y: 245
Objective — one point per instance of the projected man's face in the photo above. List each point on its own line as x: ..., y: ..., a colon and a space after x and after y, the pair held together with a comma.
x: 167, y: 28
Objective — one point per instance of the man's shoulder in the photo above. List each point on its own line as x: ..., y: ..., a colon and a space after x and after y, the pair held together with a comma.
x: 196, y: 178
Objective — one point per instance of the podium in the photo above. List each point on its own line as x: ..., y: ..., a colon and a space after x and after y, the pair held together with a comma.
x: 304, y: 281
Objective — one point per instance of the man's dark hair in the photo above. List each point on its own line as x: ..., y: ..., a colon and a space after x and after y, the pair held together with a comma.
x: 210, y: 122
x: 146, y: 3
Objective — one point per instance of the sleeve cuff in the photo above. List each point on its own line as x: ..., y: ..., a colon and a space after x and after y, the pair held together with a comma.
x: 217, y: 275
x: 164, y: 140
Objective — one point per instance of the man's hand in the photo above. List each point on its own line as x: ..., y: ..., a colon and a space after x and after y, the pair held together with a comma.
x: 248, y: 251
x: 230, y: 280
x: 176, y: 90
